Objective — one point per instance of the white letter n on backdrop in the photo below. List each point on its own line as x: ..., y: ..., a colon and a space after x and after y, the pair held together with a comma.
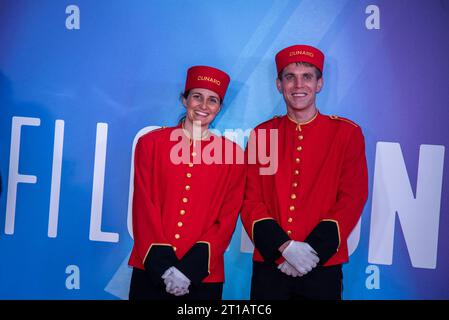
x: 418, y: 216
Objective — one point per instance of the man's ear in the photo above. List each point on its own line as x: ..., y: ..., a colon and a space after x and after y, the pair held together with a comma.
x: 279, y: 85
x: 320, y: 84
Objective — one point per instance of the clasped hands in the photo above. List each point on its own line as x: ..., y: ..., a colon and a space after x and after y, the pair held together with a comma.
x: 176, y: 282
x: 300, y: 258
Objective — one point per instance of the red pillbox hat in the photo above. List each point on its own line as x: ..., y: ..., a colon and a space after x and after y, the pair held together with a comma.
x: 299, y: 53
x: 207, y: 78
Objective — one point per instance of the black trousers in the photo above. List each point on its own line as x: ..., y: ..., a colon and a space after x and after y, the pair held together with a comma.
x: 146, y: 287
x: 322, y: 283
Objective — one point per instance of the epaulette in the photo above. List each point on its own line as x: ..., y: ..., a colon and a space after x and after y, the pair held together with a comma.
x: 156, y: 130
x: 269, y: 120
x: 161, y: 128
x: 334, y: 117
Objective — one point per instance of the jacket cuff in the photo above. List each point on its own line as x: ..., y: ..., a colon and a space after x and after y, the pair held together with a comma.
x: 159, y: 259
x: 325, y: 239
x: 268, y: 236
x: 196, y: 262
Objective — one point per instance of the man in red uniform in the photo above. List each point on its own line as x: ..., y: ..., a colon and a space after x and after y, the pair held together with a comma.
x: 300, y: 217
x: 185, y: 208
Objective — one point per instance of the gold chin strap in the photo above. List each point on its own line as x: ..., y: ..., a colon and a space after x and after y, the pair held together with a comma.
x: 204, y: 135
x: 298, y: 124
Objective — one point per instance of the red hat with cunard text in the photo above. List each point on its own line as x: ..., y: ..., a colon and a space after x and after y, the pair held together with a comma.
x: 299, y: 53
x: 207, y: 78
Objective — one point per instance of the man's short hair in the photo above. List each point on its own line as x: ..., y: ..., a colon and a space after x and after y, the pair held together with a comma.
x: 318, y: 73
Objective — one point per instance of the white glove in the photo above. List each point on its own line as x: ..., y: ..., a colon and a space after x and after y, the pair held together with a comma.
x: 301, y: 256
x: 289, y: 270
x: 176, y: 282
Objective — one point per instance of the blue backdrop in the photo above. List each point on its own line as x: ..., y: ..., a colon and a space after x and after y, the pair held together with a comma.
x: 80, y: 79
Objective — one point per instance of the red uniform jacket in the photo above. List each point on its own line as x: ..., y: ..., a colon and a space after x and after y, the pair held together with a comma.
x: 318, y: 192
x: 184, y: 214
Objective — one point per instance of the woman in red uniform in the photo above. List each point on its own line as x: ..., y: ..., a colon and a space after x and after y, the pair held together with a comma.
x: 188, y: 189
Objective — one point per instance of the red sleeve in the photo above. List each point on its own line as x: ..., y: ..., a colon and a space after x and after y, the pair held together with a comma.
x: 219, y: 235
x: 151, y: 245
x: 256, y: 217
x: 338, y: 223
